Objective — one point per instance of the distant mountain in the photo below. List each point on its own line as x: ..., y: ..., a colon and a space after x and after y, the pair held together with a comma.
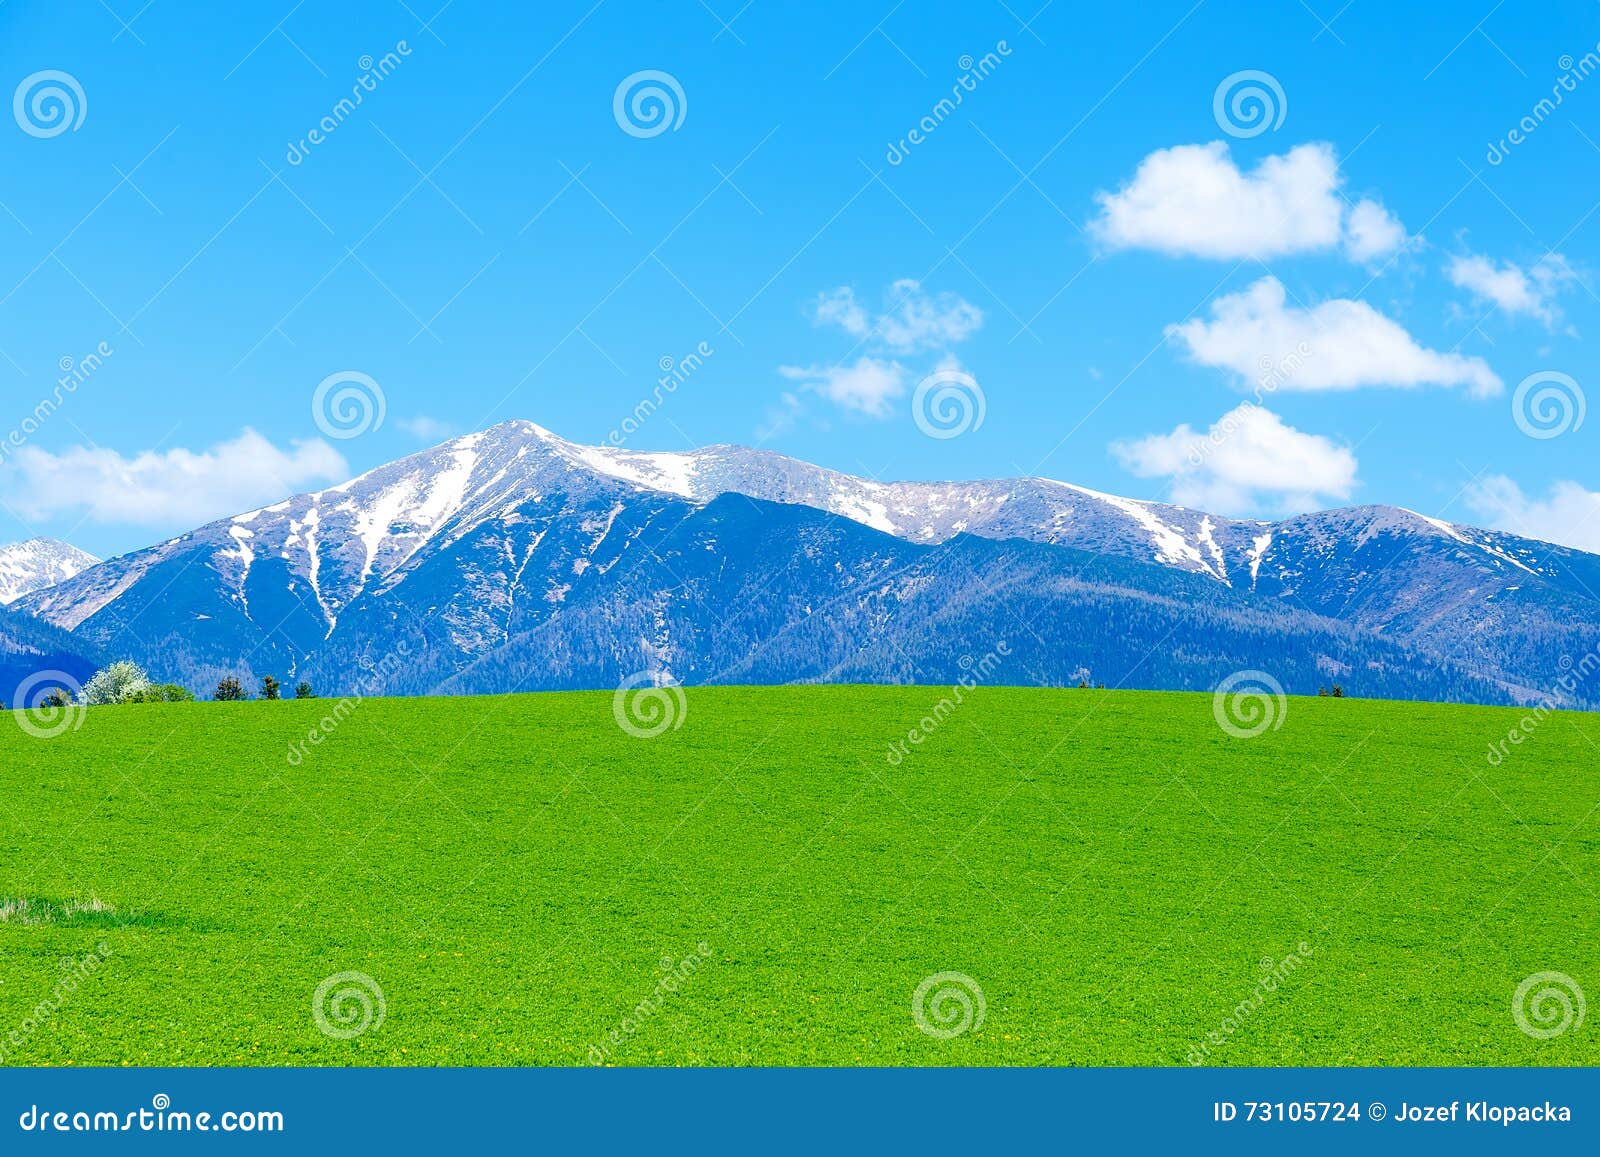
x: 513, y: 558
x: 29, y: 566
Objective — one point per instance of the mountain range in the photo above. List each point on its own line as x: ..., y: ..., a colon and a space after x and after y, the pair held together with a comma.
x: 513, y: 559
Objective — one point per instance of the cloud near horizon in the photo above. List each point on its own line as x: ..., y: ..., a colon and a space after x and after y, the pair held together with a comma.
x: 912, y: 321
x: 167, y: 488
x: 868, y: 386
x: 1568, y: 515
x: 1250, y: 461
x: 1340, y: 344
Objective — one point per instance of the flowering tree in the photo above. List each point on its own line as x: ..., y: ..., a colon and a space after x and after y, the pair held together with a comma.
x: 115, y: 684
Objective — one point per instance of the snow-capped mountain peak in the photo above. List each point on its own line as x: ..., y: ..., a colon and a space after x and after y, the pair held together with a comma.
x: 30, y: 566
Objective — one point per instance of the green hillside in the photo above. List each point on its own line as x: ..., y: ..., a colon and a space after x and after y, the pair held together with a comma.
x: 527, y: 883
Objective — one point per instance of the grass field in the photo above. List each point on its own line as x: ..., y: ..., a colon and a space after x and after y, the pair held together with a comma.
x: 1114, y: 872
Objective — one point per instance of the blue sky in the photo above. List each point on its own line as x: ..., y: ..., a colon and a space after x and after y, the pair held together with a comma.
x: 1081, y: 240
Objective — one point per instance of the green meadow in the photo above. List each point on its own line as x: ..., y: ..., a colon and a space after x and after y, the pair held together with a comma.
x: 517, y: 880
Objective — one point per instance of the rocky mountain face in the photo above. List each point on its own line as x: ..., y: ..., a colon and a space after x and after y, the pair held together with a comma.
x: 514, y: 559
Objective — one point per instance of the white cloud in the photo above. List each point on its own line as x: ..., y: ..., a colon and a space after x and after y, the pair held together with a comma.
x: 1510, y: 287
x: 425, y: 428
x: 912, y: 319
x: 1192, y: 200
x: 173, y: 487
x: 839, y: 307
x: 1570, y: 515
x: 867, y: 387
x: 1372, y: 232
x: 1338, y: 345
x: 1249, y: 461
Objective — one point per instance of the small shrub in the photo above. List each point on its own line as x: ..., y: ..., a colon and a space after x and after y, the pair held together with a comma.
x: 229, y: 690
x: 162, y: 693
x: 269, y: 687
x: 1338, y: 691
x: 116, y: 683
x: 302, y: 690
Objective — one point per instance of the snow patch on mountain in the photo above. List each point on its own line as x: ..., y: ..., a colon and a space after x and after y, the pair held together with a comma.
x: 1172, y: 546
x: 1258, y: 548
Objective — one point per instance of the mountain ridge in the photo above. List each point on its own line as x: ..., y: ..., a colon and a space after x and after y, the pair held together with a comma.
x: 489, y: 535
